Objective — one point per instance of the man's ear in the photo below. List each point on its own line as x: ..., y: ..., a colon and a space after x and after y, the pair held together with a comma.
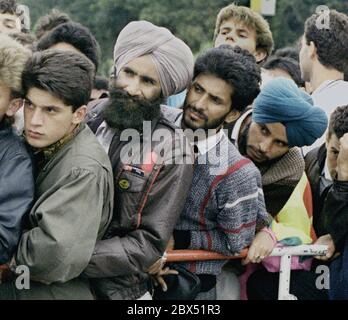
x: 260, y: 55
x: 312, y: 50
x: 327, y: 140
x: 15, y: 105
x: 79, y: 115
x: 232, y: 116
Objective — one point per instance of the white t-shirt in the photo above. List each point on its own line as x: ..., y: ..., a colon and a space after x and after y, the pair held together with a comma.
x: 330, y: 95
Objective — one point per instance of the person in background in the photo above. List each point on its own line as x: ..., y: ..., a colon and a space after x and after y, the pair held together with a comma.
x: 323, y: 61
x: 72, y: 36
x: 48, y: 22
x: 281, y: 67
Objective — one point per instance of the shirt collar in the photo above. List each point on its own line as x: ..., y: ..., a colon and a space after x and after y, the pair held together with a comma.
x: 327, y: 172
x: 238, y: 125
x: 326, y: 84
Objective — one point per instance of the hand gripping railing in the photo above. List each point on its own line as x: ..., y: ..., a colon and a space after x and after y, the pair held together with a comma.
x: 285, y: 263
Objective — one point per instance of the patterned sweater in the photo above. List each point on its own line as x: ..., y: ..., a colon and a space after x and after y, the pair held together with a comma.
x: 224, y: 207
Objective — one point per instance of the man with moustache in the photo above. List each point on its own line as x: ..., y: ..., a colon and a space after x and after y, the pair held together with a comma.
x: 150, y: 188
x: 283, y: 118
x: 225, y: 205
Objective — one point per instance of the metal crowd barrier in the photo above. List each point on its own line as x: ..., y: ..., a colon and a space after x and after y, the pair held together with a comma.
x: 285, y: 263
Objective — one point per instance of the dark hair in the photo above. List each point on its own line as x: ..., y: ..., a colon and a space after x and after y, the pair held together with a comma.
x: 288, y: 52
x: 339, y: 122
x: 70, y: 81
x: 331, y: 43
x: 76, y: 35
x: 288, y: 65
x: 8, y: 6
x: 101, y: 83
x: 50, y: 21
x: 235, y: 66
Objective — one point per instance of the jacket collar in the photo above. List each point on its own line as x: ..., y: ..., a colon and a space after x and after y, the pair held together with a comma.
x: 322, y: 152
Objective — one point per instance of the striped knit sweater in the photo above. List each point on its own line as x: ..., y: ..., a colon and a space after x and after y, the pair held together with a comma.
x: 224, y: 205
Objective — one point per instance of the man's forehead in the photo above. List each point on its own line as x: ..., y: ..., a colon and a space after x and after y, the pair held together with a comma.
x: 144, y: 66
x: 237, y: 23
x: 334, y: 141
x: 213, y: 84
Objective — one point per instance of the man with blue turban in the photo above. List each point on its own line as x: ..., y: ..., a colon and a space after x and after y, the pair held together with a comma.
x: 282, y: 120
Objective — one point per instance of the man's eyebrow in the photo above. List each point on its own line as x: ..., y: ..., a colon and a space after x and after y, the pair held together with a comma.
x: 53, y: 107
x: 284, y: 142
x: 129, y: 69
x: 216, y: 97
x: 27, y: 99
x: 280, y: 140
x: 264, y: 126
x: 9, y: 20
x: 198, y: 85
x: 147, y: 78
x: 243, y: 30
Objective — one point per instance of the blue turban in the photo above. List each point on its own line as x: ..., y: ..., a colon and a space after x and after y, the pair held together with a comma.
x: 282, y: 101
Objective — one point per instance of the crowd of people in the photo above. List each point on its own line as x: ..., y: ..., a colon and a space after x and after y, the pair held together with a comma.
x: 239, y: 148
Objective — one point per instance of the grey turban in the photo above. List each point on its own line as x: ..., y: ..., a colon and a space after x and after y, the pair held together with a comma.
x: 172, y: 57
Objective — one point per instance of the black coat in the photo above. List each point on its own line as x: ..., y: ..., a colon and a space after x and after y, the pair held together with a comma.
x: 16, y: 190
x: 330, y: 215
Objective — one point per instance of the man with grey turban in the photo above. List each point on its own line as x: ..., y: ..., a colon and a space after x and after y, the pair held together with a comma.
x: 150, y: 64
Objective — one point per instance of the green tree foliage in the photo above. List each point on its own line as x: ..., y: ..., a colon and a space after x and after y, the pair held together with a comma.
x: 191, y: 20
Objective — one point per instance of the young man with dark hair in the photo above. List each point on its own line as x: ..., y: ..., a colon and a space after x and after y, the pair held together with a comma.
x: 10, y: 21
x: 74, y: 185
x: 48, y: 22
x: 288, y: 52
x: 16, y: 174
x: 72, y: 36
x: 225, y: 205
x: 281, y: 67
x: 327, y: 169
x: 323, y: 61
x: 243, y: 27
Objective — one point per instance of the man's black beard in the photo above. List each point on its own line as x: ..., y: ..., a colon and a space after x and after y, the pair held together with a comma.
x: 126, y: 112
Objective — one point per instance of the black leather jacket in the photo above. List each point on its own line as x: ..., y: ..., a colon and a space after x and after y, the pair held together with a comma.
x: 16, y: 190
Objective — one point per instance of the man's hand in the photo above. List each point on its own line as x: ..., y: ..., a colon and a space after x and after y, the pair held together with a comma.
x: 261, y: 248
x: 159, y: 277
x: 342, y: 160
x: 327, y: 241
x: 157, y: 266
x: 157, y: 271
